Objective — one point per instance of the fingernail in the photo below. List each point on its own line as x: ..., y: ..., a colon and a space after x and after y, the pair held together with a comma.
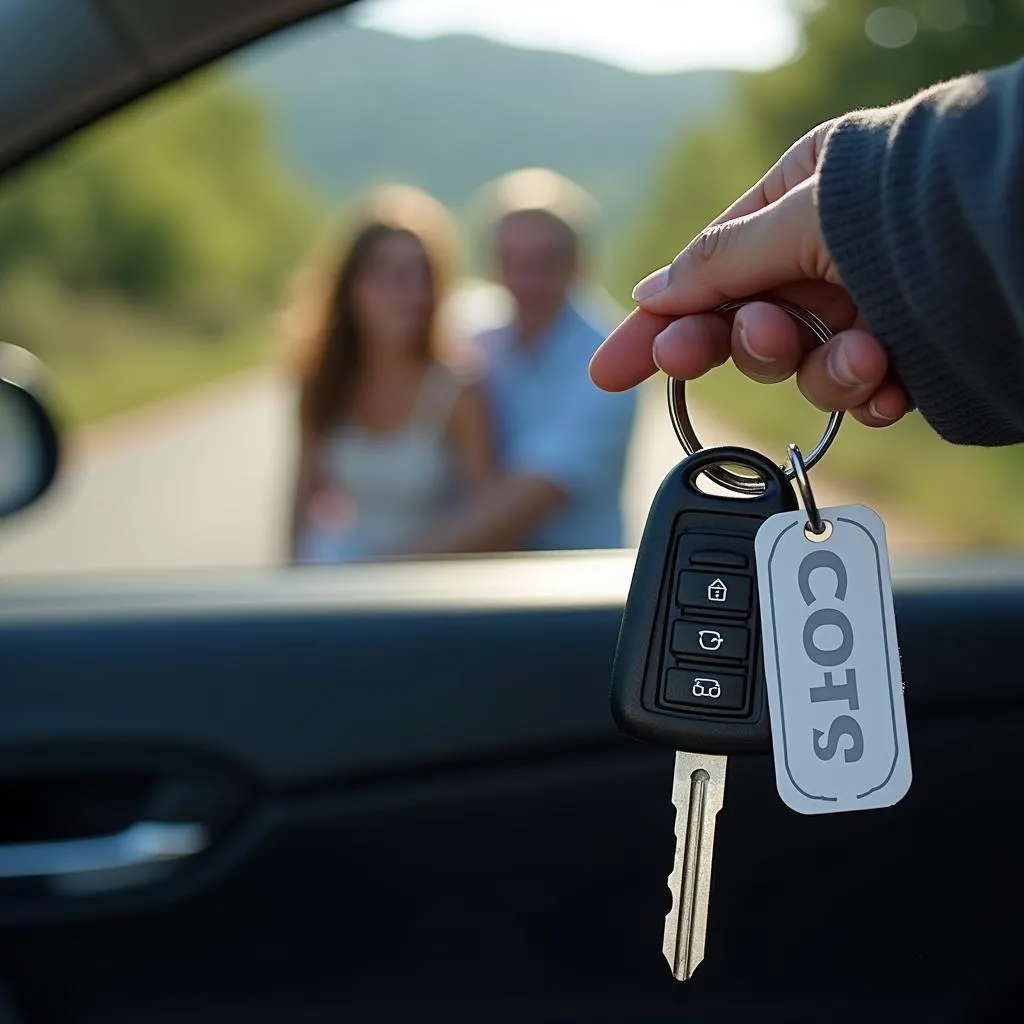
x: 741, y: 330
x: 837, y: 365
x: 877, y: 413
x: 651, y: 285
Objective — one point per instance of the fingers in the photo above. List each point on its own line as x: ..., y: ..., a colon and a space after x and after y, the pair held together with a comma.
x: 830, y: 302
x: 644, y: 343
x: 686, y: 349
x: 849, y: 373
x: 887, y: 405
x: 765, y: 343
x: 757, y: 253
x: 626, y: 357
x: 780, y: 247
x: 768, y: 241
x: 845, y: 373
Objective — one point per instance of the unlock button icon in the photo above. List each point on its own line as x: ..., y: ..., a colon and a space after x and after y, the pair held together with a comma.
x: 710, y: 639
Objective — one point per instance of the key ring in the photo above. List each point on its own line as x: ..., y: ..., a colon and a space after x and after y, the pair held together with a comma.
x: 814, y: 521
x: 687, y: 436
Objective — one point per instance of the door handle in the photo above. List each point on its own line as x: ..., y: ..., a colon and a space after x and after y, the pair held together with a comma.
x: 140, y: 853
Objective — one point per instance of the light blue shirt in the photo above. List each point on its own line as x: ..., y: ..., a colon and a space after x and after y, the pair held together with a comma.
x: 552, y: 422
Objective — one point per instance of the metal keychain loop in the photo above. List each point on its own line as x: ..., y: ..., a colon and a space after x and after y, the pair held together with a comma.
x: 814, y: 521
x: 687, y: 436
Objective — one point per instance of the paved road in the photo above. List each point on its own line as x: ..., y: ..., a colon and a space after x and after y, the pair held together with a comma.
x: 201, y: 482
x: 197, y: 482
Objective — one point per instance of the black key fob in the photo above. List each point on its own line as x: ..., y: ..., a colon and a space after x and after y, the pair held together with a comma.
x: 688, y: 669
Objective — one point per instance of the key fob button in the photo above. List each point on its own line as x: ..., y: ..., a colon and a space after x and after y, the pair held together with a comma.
x: 710, y: 640
x: 705, y: 688
x: 732, y: 559
x: 694, y: 691
x: 709, y: 590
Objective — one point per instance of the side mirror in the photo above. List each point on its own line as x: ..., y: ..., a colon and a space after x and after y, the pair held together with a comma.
x: 29, y: 438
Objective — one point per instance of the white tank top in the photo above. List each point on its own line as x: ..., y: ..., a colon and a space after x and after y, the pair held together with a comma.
x: 398, y: 482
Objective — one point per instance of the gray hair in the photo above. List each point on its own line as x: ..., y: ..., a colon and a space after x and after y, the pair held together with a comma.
x: 539, y: 190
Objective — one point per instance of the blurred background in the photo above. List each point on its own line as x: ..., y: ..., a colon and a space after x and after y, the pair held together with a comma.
x: 148, y: 259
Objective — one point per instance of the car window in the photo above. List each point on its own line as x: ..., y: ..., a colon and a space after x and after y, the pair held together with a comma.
x: 264, y: 357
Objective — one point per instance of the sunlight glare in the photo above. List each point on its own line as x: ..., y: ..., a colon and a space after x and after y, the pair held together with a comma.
x: 642, y: 35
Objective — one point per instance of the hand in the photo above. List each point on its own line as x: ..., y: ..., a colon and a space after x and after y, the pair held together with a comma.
x: 767, y: 242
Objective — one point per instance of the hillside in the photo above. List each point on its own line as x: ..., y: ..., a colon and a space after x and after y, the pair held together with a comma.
x: 353, y: 105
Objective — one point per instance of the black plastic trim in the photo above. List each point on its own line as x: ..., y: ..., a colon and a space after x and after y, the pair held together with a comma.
x: 306, y: 677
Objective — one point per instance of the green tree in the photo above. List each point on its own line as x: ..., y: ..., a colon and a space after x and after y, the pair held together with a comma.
x: 178, y: 204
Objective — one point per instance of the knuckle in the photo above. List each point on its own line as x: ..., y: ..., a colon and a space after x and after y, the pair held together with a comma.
x: 703, y: 250
x: 813, y: 259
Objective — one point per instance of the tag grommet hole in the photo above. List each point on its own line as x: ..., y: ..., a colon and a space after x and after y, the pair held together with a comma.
x: 823, y: 534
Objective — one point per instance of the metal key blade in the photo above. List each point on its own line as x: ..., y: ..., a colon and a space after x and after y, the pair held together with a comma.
x: 698, y: 791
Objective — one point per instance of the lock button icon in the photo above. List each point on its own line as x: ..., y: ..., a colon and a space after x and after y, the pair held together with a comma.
x: 723, y: 591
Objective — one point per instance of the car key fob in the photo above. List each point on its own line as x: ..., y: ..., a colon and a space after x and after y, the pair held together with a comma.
x: 688, y: 670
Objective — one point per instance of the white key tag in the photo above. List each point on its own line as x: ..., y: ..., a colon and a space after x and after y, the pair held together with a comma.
x: 831, y: 659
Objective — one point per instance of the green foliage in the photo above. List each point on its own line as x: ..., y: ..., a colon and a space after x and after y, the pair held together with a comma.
x: 109, y: 354
x: 178, y: 205
x: 839, y: 68
x: 141, y: 258
x: 703, y: 172
x: 143, y: 372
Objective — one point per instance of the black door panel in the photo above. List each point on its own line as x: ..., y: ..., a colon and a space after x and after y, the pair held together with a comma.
x: 303, y: 678
x: 431, y: 817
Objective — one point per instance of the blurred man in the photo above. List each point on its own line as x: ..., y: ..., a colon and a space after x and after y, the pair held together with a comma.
x: 562, y: 443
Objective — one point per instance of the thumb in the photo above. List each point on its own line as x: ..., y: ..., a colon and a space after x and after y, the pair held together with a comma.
x: 777, y: 245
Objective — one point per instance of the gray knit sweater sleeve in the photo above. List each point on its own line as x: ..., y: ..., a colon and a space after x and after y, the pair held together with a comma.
x: 922, y: 207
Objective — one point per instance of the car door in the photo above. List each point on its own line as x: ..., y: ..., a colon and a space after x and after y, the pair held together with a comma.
x: 232, y: 791
x: 295, y: 821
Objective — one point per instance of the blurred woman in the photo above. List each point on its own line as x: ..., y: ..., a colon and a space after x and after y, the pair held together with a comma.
x: 390, y: 438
